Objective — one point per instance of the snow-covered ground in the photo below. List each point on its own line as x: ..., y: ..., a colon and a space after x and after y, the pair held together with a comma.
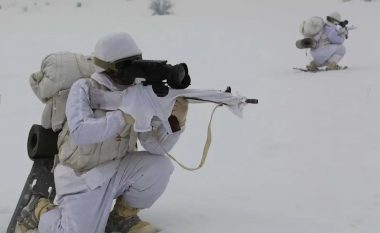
x: 304, y: 160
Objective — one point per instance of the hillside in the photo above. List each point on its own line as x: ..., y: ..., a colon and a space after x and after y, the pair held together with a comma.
x: 304, y: 160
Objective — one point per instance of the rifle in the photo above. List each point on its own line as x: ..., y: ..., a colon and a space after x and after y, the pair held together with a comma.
x: 343, y: 24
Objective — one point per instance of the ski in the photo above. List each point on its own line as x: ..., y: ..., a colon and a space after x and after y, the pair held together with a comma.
x: 316, y: 71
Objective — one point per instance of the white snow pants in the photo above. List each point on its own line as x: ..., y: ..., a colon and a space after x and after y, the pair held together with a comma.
x: 338, y: 55
x: 141, y: 179
x: 331, y: 53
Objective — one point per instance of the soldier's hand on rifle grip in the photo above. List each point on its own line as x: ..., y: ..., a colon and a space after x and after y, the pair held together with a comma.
x: 180, y: 109
x: 174, y: 123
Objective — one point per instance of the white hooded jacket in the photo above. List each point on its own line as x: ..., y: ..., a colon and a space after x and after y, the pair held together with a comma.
x: 93, y: 140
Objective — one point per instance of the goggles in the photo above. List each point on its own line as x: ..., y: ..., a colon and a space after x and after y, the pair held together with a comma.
x: 116, y: 65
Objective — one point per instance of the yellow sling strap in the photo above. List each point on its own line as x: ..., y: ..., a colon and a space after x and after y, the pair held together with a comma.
x: 205, y: 148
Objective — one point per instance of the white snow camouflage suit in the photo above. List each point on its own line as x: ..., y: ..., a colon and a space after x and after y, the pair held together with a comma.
x: 85, y: 196
x: 330, y: 47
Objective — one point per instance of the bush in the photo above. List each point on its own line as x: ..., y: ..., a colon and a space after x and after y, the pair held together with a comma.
x: 161, y: 7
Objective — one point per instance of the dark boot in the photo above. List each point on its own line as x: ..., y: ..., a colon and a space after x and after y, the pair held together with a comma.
x: 312, y: 66
x: 333, y: 66
x: 31, y: 213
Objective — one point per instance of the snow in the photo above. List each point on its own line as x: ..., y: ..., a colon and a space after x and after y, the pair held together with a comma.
x: 304, y: 160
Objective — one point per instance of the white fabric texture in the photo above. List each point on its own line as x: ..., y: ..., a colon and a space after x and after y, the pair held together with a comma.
x: 58, y: 72
x: 114, y: 47
x: 82, y: 120
x: 86, y: 130
x: 53, y: 116
x: 140, y: 185
x: 140, y: 178
x: 52, y: 83
x: 330, y: 43
x: 338, y: 55
x: 311, y: 26
x: 142, y: 103
x: 322, y: 56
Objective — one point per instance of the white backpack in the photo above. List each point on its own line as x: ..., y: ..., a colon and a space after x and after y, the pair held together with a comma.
x: 52, y: 84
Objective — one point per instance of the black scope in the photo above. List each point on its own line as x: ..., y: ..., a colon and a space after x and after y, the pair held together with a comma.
x: 343, y: 23
x: 306, y: 43
x: 157, y: 73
